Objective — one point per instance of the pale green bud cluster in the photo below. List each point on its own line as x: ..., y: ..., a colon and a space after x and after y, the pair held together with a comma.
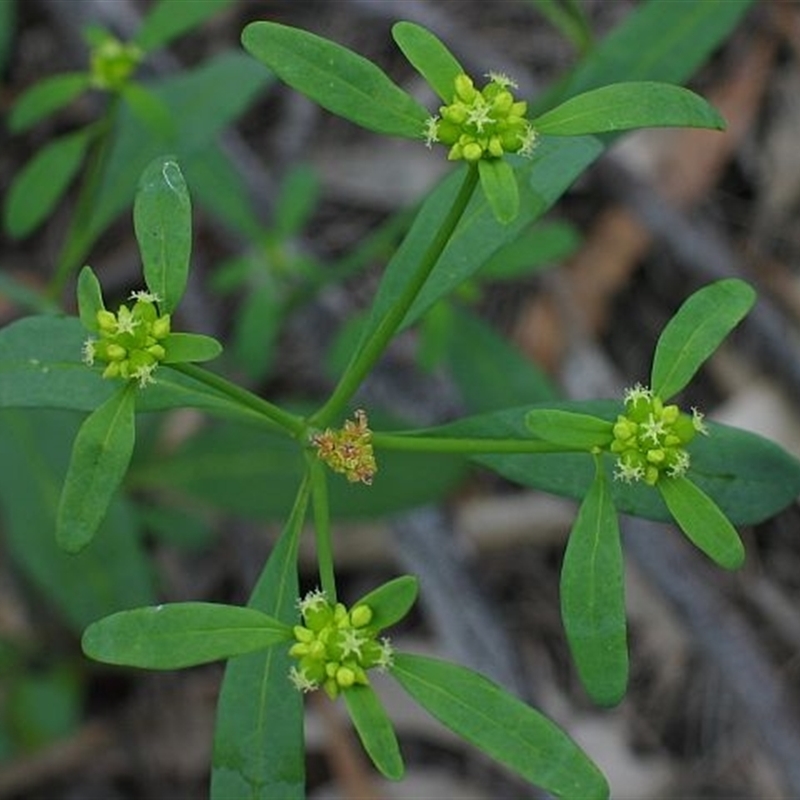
x: 486, y: 123
x: 131, y: 342
x: 335, y: 647
x: 112, y: 63
x: 650, y: 438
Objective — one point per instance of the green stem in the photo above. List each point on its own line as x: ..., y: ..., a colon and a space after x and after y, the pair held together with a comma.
x: 291, y: 422
x: 322, y: 526
x: 364, y: 359
x: 467, y: 446
x: 79, y: 234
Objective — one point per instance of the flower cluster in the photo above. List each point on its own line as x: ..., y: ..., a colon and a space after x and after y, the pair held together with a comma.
x: 112, y: 63
x: 650, y: 438
x: 335, y: 647
x: 348, y: 450
x: 482, y: 124
x: 131, y: 341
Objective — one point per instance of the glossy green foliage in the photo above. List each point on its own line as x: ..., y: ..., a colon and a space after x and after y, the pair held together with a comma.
x: 178, y: 635
x: 45, y: 98
x: 390, y: 602
x: 336, y: 78
x: 183, y: 347
x: 429, y: 56
x: 375, y: 730
x: 229, y: 466
x: 90, y: 299
x: 624, y: 106
x: 750, y: 478
x: 696, y: 331
x: 499, y: 184
x: 42, y: 181
x: 258, y: 736
x: 41, y: 367
x: 162, y: 216
x: 100, y: 458
x: 168, y: 19
x: 570, y: 429
x: 504, y: 727
x: 110, y: 575
x: 702, y: 521
x: 593, y: 596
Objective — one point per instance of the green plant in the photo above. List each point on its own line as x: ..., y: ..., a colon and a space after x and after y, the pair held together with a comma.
x: 639, y: 454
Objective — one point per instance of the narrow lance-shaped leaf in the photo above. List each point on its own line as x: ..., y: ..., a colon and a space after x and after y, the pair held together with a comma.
x: 375, y: 730
x: 336, y: 78
x: 183, y: 347
x: 391, y: 601
x: 170, y: 18
x: 703, y: 523
x: 258, y: 739
x: 593, y: 596
x: 90, y: 298
x: 572, y: 430
x: 429, y: 56
x: 46, y: 97
x: 39, y: 186
x: 623, y: 106
x: 499, y: 184
x: 696, y: 331
x: 500, y: 725
x: 178, y: 635
x: 162, y: 218
x: 100, y: 457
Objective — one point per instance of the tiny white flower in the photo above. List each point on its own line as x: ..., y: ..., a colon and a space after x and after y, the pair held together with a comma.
x: 145, y: 296
x: 697, y: 421
x: 144, y: 375
x: 627, y: 473
x: 502, y: 79
x: 351, y: 642
x: 386, y: 658
x: 88, y: 352
x: 680, y: 466
x: 312, y: 601
x: 126, y: 322
x: 431, y: 131
x: 301, y: 681
x: 479, y: 116
x: 528, y: 140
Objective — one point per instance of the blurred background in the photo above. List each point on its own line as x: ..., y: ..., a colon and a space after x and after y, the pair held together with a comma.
x: 295, y: 215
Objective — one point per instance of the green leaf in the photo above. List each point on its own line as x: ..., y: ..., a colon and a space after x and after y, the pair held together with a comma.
x: 162, y: 217
x: 556, y: 163
x: 569, y: 19
x: 429, y: 56
x: 177, y: 635
x: 100, y: 457
x: 536, y: 249
x: 623, y: 106
x: 375, y: 730
x: 492, y: 373
x: 41, y: 182
x: 696, y: 331
x: 336, y: 78
x: 297, y: 198
x: 569, y: 429
x: 593, y: 597
x: 90, y: 298
x: 750, y: 478
x: 499, y: 184
x: 258, y: 738
x: 202, y: 104
x: 41, y: 367
x: 390, y: 602
x: 702, y: 521
x: 170, y: 18
x: 643, y: 46
x: 501, y: 726
x: 228, y: 466
x: 182, y: 347
x: 256, y: 330
x: 112, y: 574
x: 46, y: 97
x: 149, y: 109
